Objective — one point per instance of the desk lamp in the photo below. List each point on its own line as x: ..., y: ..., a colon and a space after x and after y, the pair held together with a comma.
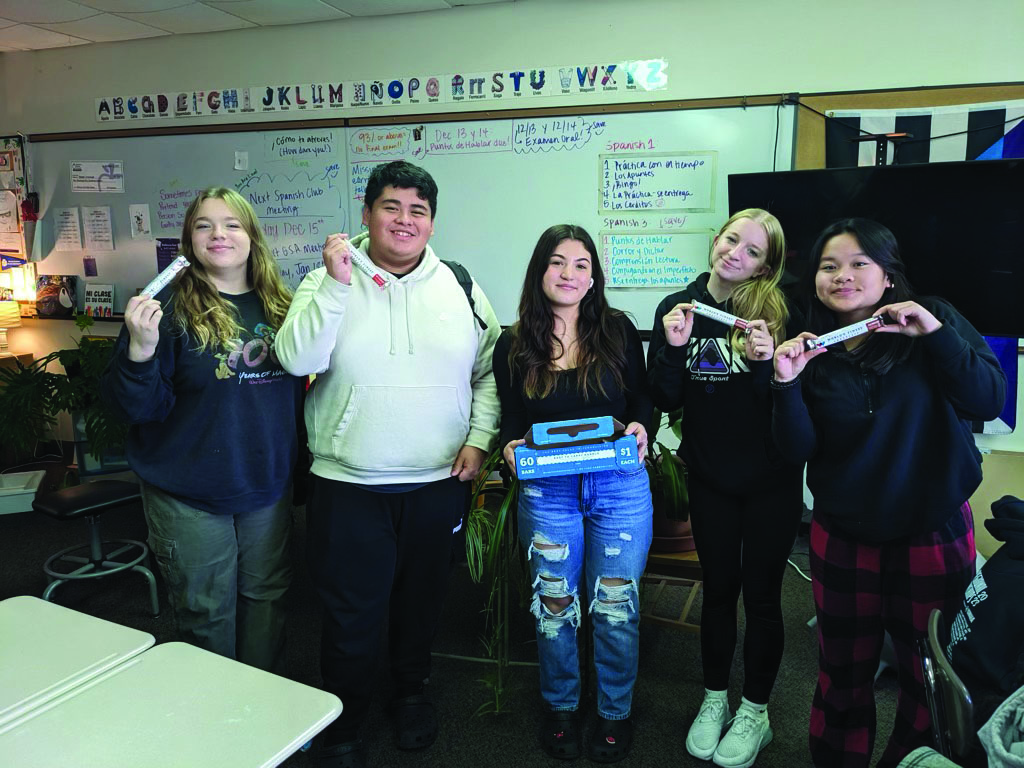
x: 10, y: 317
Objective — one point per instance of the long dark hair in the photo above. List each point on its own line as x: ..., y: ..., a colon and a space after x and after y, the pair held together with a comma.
x: 600, y: 339
x: 881, y: 351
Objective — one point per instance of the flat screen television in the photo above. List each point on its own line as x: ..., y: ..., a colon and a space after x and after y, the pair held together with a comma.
x: 960, y: 226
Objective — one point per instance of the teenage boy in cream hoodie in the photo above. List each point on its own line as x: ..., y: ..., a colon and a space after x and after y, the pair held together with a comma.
x: 401, y: 416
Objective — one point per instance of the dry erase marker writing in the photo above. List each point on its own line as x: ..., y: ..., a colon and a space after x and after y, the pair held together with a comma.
x: 363, y: 263
x: 717, y: 314
x: 160, y: 281
x: 842, y: 334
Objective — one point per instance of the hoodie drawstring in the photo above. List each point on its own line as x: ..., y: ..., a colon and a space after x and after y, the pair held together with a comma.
x: 408, y: 324
x: 391, y: 316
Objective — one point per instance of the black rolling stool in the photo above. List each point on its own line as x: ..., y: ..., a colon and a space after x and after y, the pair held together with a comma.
x: 91, y: 500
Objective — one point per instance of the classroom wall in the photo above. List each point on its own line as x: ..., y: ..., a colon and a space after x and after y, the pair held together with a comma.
x: 713, y: 49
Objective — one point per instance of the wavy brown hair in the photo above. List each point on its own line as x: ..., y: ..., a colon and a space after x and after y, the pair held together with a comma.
x: 199, y: 309
x: 600, y: 337
x: 760, y: 297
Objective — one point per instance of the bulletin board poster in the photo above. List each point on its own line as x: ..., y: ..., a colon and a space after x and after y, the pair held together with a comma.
x: 12, y: 192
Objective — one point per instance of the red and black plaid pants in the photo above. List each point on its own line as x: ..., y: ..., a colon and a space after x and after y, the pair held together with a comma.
x: 861, y: 591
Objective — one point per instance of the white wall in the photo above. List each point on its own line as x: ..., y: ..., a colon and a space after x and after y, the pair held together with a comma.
x: 714, y: 48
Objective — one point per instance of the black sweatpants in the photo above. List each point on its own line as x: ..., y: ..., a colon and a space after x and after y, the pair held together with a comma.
x: 378, y: 559
x: 743, y: 541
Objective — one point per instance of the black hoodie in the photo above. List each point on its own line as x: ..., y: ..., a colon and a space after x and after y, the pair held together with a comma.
x: 892, y: 455
x: 726, y: 434
x: 987, y: 636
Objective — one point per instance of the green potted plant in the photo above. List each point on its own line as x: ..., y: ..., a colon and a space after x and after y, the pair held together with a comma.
x: 31, y: 397
x: 78, y: 392
x: 28, y: 407
x: 669, y: 491
x: 489, y: 551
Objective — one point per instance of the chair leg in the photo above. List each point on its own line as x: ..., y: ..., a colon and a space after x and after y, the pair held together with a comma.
x: 154, y: 600
x: 95, y: 539
x: 932, y: 697
x: 48, y: 592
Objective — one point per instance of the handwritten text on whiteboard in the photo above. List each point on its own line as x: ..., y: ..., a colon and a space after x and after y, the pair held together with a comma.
x: 653, y: 259
x: 556, y: 133
x: 672, y: 181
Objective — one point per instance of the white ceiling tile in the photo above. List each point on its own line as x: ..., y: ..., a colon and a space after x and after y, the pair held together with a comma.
x: 43, y: 11
x: 179, y: 17
x: 134, y: 6
x: 386, y: 7
x: 25, y: 37
x: 270, y: 13
x: 190, y: 18
x: 105, y: 28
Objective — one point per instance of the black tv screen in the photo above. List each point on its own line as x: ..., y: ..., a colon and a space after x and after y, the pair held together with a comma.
x: 960, y: 226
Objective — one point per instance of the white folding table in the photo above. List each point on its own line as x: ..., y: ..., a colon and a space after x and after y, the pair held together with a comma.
x: 174, y: 705
x: 47, y: 650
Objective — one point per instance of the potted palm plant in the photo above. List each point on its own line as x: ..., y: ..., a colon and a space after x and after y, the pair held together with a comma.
x: 31, y: 397
x: 78, y: 392
x: 490, y: 547
x: 28, y: 406
x: 669, y: 491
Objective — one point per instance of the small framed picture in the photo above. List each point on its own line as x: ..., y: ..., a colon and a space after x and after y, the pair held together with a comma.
x: 6, y: 161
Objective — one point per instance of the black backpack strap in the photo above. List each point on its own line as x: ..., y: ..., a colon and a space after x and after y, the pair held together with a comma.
x: 466, y: 281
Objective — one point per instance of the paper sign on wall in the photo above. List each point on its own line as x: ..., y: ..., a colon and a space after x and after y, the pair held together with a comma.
x: 97, y: 176
x: 67, y: 234
x: 139, y: 216
x: 99, y: 235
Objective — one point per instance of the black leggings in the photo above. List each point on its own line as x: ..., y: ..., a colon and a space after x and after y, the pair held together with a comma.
x: 743, y: 542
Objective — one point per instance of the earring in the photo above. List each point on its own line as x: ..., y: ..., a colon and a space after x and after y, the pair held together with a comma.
x: 591, y: 283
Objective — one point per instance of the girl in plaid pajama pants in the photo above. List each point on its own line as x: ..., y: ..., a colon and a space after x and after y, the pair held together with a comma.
x: 883, y: 422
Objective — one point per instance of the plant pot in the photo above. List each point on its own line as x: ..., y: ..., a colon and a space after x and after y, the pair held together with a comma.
x: 671, y: 535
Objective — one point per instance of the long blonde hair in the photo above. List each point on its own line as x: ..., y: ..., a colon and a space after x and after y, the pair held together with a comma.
x: 760, y: 297
x: 199, y: 309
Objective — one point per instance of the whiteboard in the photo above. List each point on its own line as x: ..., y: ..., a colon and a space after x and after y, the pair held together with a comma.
x: 650, y: 187
x: 295, y: 180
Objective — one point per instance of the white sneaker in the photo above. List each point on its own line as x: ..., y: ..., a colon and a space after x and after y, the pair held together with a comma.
x: 706, y: 731
x: 749, y: 734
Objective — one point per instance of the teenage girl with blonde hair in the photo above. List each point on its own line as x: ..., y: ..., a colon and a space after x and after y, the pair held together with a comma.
x: 214, y: 431
x: 745, y: 501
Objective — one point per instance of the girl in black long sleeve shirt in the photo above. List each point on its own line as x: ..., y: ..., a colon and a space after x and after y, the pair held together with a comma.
x: 882, y: 420
x: 745, y: 500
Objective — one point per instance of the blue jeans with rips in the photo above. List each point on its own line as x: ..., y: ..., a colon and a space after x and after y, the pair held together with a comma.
x: 596, y: 525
